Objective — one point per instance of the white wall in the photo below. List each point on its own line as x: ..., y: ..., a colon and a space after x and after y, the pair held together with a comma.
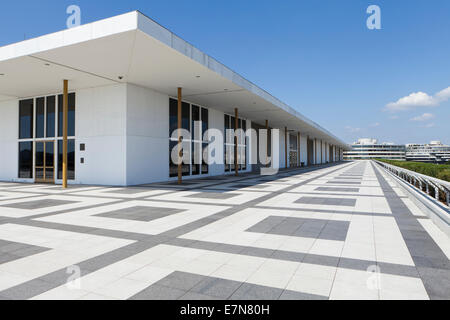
x: 101, y: 126
x: 147, y: 136
x: 9, y: 146
x: 281, y: 163
x: 318, y: 152
x: 324, y: 152
x: 249, y: 147
x: 216, y: 120
x: 304, y: 149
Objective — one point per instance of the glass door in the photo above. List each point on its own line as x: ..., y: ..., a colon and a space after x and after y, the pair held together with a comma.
x: 45, y: 162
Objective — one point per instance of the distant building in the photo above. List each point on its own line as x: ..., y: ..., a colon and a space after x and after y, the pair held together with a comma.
x: 434, y: 152
x: 366, y: 149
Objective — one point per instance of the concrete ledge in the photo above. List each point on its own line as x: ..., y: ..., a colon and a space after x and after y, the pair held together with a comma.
x: 436, y: 211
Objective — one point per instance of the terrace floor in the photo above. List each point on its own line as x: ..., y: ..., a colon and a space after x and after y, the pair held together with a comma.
x: 342, y: 231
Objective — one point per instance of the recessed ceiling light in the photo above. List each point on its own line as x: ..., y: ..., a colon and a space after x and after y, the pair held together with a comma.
x: 225, y: 89
x: 47, y: 64
x: 2, y: 74
x: 197, y: 76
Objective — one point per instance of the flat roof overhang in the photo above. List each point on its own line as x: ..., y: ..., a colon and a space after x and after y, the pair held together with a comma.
x: 131, y: 48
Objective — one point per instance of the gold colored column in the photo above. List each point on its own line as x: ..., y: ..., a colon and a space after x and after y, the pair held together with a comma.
x: 267, y: 142
x: 236, y: 124
x: 180, y: 167
x: 285, y: 148
x: 315, y: 151
x: 299, y: 162
x: 65, y: 129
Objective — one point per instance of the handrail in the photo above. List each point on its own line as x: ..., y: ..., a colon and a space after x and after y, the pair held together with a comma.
x: 421, y: 180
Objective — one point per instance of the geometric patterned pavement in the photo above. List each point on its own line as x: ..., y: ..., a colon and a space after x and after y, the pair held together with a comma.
x: 341, y: 231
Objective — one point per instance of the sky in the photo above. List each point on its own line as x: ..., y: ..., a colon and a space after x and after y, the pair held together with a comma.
x: 319, y: 57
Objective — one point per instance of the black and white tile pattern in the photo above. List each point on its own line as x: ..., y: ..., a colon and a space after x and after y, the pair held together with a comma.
x: 342, y: 231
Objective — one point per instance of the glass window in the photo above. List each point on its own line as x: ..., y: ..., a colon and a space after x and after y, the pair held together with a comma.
x: 40, y: 117
x: 49, y: 159
x: 226, y: 152
x: 293, y: 142
x: 205, y: 127
x: 26, y: 160
x: 51, y: 116
x: 196, y: 149
x: 195, y: 144
x: 70, y: 115
x: 39, y: 154
x: 205, y: 121
x: 173, y: 168
x: 70, y: 159
x: 229, y: 148
x: 26, y: 119
x: 233, y: 123
x: 173, y: 116
x: 205, y: 166
x: 185, y: 116
x: 195, y: 117
x: 244, y: 156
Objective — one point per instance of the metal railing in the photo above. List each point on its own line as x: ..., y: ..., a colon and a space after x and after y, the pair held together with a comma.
x: 429, y: 185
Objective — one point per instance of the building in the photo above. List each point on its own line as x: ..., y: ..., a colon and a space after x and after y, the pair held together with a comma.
x: 434, y: 152
x: 124, y: 81
x: 366, y: 149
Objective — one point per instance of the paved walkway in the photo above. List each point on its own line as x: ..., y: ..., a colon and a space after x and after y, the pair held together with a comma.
x: 341, y: 231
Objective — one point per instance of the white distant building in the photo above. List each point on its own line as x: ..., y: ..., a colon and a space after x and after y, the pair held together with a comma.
x: 366, y: 149
x: 434, y: 152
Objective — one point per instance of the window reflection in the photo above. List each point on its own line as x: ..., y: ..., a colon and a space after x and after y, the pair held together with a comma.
x: 26, y: 119
x: 26, y: 160
x: 40, y: 120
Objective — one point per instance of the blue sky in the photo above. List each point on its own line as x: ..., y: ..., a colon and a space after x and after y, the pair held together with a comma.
x: 317, y: 56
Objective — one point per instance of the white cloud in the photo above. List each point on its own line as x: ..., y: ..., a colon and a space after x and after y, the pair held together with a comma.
x: 376, y: 124
x: 419, y: 99
x: 424, y: 117
x: 393, y: 117
x: 429, y: 125
x: 444, y: 95
x: 351, y: 129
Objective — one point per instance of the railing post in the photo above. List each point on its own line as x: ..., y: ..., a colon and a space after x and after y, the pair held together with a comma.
x: 436, y: 191
x: 448, y: 198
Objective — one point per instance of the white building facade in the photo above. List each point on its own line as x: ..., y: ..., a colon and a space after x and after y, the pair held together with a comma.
x: 368, y: 149
x: 123, y: 75
x: 434, y: 152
